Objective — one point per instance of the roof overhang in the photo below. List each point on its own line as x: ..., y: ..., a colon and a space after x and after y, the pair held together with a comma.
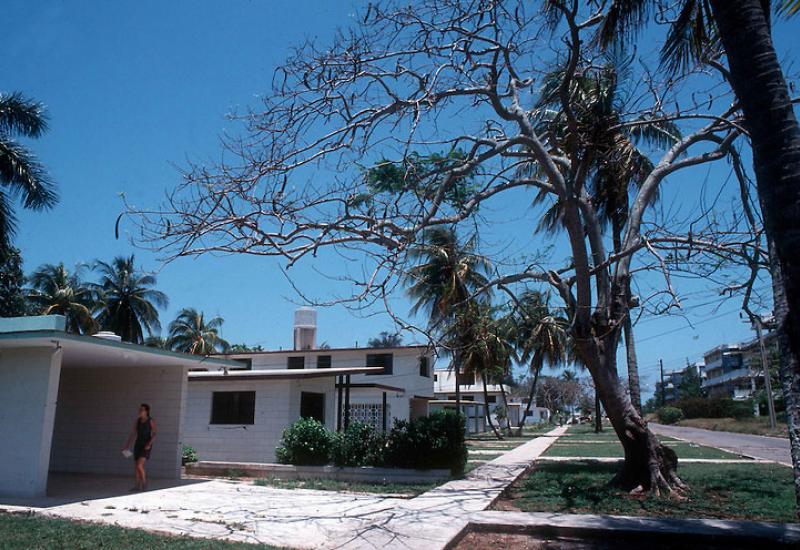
x: 91, y: 351
x: 278, y: 374
x: 383, y: 387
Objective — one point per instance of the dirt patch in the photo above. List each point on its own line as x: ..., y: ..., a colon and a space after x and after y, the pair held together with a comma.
x: 504, y: 541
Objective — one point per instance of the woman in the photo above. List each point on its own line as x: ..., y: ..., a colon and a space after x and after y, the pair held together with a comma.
x: 144, y: 432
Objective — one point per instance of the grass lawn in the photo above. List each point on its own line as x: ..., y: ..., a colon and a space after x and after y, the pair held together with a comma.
x: 404, y: 489
x: 758, y: 426
x: 614, y: 448
x: 729, y: 491
x: 19, y: 532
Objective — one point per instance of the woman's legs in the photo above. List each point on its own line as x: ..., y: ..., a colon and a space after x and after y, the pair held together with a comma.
x: 141, y: 475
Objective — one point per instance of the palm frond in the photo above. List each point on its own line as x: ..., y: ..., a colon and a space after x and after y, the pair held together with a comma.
x: 622, y: 21
x: 21, y: 116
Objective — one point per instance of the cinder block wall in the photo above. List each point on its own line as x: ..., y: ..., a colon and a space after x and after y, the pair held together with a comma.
x: 28, y: 387
x: 96, y: 411
x: 277, y: 406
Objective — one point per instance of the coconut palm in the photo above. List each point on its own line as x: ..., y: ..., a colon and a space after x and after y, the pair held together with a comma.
x: 540, y: 338
x: 618, y: 165
x: 158, y: 342
x: 487, y: 351
x: 127, y: 302
x: 443, y: 283
x: 191, y: 332
x: 21, y: 174
x: 57, y: 291
x: 385, y: 340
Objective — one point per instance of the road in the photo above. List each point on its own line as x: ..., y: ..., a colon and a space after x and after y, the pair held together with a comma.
x: 757, y: 446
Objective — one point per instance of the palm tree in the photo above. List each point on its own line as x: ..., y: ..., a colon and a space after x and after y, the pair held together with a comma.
x: 128, y: 303
x: 21, y: 174
x: 702, y: 32
x: 487, y: 352
x: 158, y: 342
x: 540, y: 338
x: 385, y: 340
x: 618, y: 165
x: 56, y: 291
x: 190, y: 332
x: 443, y: 283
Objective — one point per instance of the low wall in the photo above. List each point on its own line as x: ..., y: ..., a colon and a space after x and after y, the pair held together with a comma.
x: 288, y: 471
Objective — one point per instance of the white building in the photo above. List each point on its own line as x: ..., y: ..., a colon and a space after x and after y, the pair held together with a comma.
x: 472, y: 392
x: 68, y: 403
x: 239, y: 415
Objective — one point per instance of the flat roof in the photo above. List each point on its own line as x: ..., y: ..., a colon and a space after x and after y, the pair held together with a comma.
x: 278, y: 374
x: 80, y: 350
x: 326, y: 351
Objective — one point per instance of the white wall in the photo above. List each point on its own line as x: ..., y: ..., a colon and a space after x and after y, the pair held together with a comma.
x: 277, y: 406
x: 28, y: 388
x: 96, y: 411
x: 405, y: 374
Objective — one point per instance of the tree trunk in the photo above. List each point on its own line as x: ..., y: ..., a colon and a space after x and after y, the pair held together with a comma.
x: 788, y: 373
x: 486, y: 409
x: 505, y: 404
x: 757, y: 80
x: 649, y: 465
x: 531, y: 395
x: 633, y: 363
x: 598, y: 419
x: 627, y: 326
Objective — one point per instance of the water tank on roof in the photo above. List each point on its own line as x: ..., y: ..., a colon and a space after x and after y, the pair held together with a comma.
x: 305, y: 328
x: 108, y: 335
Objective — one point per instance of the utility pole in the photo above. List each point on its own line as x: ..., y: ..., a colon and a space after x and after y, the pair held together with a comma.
x: 661, y: 367
x: 757, y: 323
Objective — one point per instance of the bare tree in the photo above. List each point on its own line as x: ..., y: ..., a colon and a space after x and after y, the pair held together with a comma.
x: 393, y: 84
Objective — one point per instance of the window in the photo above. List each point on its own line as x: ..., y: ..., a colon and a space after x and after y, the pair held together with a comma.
x: 296, y: 363
x: 466, y: 379
x: 233, y: 407
x: 383, y: 360
x: 247, y: 362
x: 423, y: 367
x: 492, y: 399
x: 323, y: 361
x: 435, y: 377
x: 468, y: 398
x: 312, y: 405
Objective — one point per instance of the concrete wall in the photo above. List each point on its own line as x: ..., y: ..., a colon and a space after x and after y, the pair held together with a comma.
x: 277, y: 406
x: 405, y: 374
x: 96, y: 411
x: 28, y: 389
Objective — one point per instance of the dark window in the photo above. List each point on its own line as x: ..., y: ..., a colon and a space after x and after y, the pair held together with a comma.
x: 451, y: 397
x: 246, y: 361
x: 435, y: 377
x: 466, y: 379
x: 323, y: 361
x: 383, y: 360
x: 296, y: 363
x: 312, y: 405
x: 492, y: 399
x: 233, y: 407
x: 423, y: 367
x: 468, y: 398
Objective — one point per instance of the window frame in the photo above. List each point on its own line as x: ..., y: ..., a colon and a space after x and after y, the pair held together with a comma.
x: 330, y: 361
x: 301, y: 358
x: 240, y: 420
x: 386, y: 371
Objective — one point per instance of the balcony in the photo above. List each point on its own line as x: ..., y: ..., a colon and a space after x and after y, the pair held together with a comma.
x: 727, y: 377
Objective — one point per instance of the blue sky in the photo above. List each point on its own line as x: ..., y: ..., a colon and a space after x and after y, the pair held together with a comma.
x: 134, y: 89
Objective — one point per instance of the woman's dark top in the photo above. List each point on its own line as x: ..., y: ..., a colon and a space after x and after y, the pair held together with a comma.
x: 144, y: 431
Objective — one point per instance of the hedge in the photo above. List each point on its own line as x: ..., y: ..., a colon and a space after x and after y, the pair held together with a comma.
x: 714, y: 407
x: 435, y: 441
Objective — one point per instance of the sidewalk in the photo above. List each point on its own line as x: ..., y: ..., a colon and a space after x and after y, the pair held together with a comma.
x: 432, y: 520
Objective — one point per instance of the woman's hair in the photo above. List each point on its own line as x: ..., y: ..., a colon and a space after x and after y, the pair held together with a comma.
x: 146, y: 407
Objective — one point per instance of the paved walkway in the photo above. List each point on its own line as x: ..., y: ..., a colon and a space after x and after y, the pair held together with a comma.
x: 775, y: 449
x: 296, y: 518
x: 433, y: 519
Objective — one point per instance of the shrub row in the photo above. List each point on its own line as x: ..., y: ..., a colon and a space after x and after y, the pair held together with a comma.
x: 435, y: 441
x: 714, y: 407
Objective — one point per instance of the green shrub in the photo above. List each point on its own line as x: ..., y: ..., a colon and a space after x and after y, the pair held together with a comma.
x: 305, y: 443
x: 715, y: 407
x: 435, y: 441
x: 358, y: 445
x: 188, y: 455
x: 669, y: 415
